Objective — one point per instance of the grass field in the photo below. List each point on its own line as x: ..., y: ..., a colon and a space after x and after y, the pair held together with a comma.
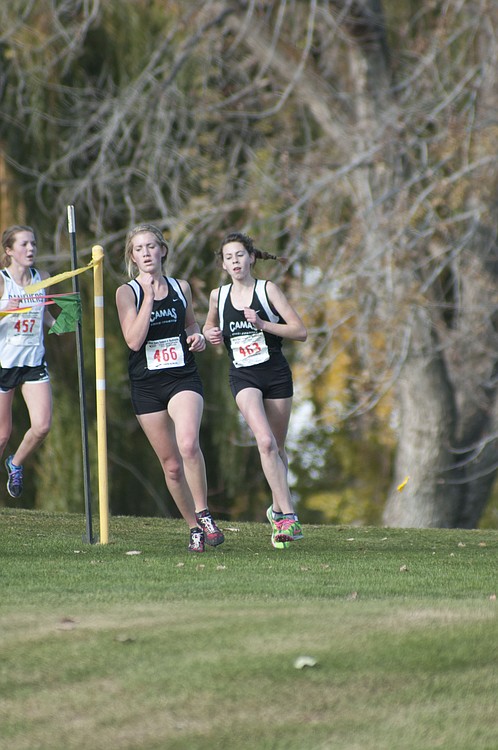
x: 163, y: 650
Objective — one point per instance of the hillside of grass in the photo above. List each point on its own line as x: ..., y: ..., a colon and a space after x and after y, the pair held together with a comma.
x: 351, y: 638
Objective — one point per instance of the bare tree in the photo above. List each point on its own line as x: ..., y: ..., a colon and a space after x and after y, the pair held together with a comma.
x: 403, y: 146
x: 361, y: 144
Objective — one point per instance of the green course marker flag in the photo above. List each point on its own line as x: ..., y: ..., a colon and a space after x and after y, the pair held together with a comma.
x: 70, y: 314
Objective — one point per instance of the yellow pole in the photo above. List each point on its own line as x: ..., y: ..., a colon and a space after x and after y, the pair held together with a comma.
x: 98, y: 285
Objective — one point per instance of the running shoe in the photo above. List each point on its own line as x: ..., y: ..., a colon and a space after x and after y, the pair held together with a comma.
x: 196, y: 540
x: 288, y: 530
x: 269, y: 515
x: 212, y: 534
x: 277, y: 545
x: 14, y: 482
x: 297, y: 530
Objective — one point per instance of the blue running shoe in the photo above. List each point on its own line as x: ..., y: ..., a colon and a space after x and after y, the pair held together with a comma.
x: 14, y: 482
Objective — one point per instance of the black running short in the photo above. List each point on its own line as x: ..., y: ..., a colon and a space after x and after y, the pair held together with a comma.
x: 154, y: 394
x: 272, y: 378
x: 12, y: 377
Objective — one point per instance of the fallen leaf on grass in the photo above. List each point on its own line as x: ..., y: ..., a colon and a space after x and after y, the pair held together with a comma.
x: 123, y: 638
x: 66, y: 623
x: 304, y: 661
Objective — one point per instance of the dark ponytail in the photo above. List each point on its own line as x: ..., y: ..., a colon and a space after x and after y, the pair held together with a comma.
x: 248, y: 243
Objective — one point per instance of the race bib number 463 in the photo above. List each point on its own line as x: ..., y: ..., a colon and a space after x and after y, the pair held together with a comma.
x: 250, y: 349
x: 164, y: 353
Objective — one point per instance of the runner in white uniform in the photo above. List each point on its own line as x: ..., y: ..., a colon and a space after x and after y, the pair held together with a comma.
x: 22, y: 351
x: 251, y: 318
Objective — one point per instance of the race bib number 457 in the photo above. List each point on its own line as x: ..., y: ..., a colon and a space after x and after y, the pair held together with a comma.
x: 25, y: 328
x: 164, y: 353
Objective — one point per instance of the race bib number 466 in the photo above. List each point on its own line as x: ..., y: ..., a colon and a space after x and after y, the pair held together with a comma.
x: 164, y: 353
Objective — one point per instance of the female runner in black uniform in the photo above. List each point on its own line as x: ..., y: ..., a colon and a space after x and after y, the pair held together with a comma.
x: 251, y: 317
x: 158, y: 324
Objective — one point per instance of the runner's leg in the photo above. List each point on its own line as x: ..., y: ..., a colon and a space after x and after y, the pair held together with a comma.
x: 160, y: 432
x: 6, y: 400
x: 38, y: 399
x: 278, y: 412
x: 185, y: 409
x: 250, y: 403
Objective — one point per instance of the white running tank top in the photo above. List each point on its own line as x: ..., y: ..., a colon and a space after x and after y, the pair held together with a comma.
x: 21, y: 334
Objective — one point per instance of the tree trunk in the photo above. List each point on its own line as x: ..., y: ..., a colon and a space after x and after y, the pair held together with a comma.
x: 424, y: 453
